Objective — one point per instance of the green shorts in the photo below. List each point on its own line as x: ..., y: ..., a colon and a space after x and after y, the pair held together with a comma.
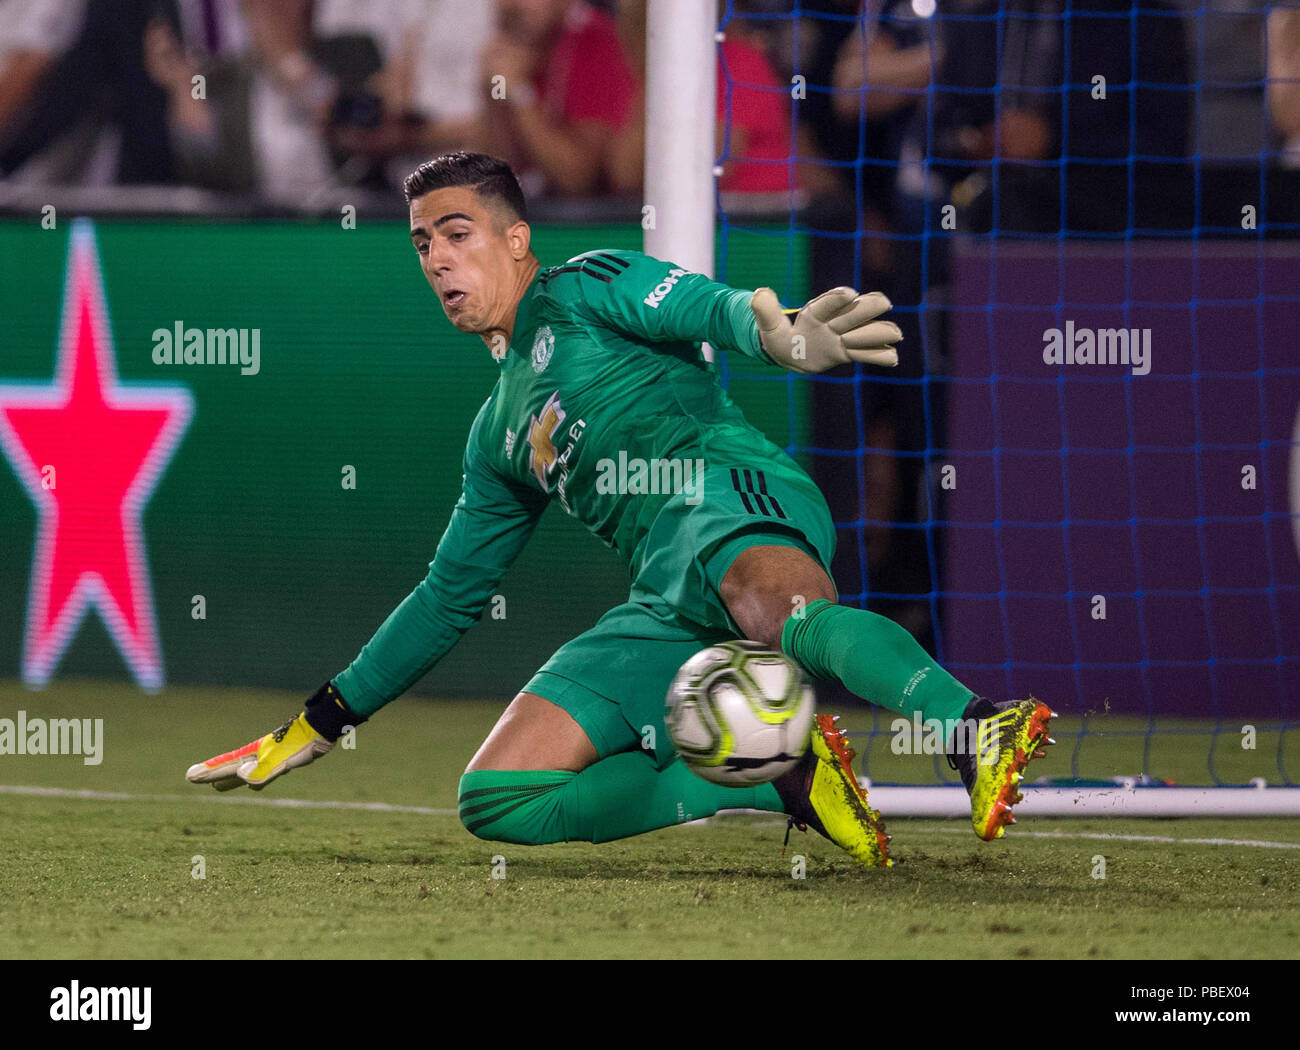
x: 614, y: 678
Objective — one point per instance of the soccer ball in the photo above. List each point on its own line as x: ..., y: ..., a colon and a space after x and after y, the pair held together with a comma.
x: 740, y: 713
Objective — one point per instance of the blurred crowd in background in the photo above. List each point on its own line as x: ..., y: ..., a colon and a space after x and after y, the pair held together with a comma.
x: 291, y: 100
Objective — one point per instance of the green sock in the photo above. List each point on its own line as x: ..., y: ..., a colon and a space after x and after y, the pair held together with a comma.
x: 622, y: 795
x: 873, y: 657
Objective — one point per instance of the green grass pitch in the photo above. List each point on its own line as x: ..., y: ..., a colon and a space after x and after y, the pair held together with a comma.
x: 112, y: 877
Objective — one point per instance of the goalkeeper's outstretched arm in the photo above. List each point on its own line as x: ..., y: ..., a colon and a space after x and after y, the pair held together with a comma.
x: 656, y: 301
x: 490, y: 525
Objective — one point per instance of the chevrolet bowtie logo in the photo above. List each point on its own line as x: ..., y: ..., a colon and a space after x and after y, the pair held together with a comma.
x: 542, y: 455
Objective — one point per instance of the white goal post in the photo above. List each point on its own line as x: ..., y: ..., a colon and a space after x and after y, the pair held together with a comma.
x: 681, y: 70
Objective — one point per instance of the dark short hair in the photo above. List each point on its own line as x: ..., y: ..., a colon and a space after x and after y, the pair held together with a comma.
x: 489, y: 177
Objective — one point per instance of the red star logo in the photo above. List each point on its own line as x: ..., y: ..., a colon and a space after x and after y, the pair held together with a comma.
x: 90, y: 450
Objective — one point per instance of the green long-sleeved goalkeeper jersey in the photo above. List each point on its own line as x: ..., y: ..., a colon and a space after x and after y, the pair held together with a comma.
x: 604, y: 368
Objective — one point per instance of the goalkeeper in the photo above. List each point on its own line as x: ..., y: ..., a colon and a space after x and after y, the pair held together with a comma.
x: 600, y: 364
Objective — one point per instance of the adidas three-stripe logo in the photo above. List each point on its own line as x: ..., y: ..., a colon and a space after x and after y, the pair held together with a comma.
x: 757, y: 500
x: 597, y: 264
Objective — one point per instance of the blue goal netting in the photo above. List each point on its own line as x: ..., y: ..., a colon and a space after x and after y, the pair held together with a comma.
x: 1082, y: 482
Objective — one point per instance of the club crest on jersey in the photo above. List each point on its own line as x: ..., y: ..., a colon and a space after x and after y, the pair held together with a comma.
x: 543, y: 348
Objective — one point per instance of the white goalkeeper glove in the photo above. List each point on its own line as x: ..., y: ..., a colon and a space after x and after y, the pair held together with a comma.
x: 836, y: 328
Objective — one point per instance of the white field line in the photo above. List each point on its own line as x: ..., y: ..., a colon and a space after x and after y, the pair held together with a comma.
x: 246, y: 799
x: 428, y: 811
x: 1103, y: 835
x: 1110, y: 836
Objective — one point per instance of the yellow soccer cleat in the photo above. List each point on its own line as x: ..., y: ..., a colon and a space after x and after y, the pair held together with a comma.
x: 1006, y: 738
x: 822, y: 793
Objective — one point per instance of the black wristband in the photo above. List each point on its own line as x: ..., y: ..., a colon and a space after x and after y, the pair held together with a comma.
x: 328, y: 713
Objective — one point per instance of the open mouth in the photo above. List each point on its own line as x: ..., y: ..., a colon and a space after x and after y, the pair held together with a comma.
x: 453, y: 298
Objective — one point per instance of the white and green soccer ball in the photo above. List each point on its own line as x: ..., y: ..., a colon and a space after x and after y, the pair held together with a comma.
x: 740, y: 713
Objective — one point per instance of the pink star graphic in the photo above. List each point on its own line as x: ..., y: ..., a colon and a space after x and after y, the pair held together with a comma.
x: 90, y: 450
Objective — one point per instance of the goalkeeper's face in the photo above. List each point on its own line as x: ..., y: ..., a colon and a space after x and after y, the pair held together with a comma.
x: 473, y: 253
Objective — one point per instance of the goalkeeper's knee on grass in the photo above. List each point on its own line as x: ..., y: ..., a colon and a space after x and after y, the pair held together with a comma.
x: 524, y: 806
x: 621, y: 795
